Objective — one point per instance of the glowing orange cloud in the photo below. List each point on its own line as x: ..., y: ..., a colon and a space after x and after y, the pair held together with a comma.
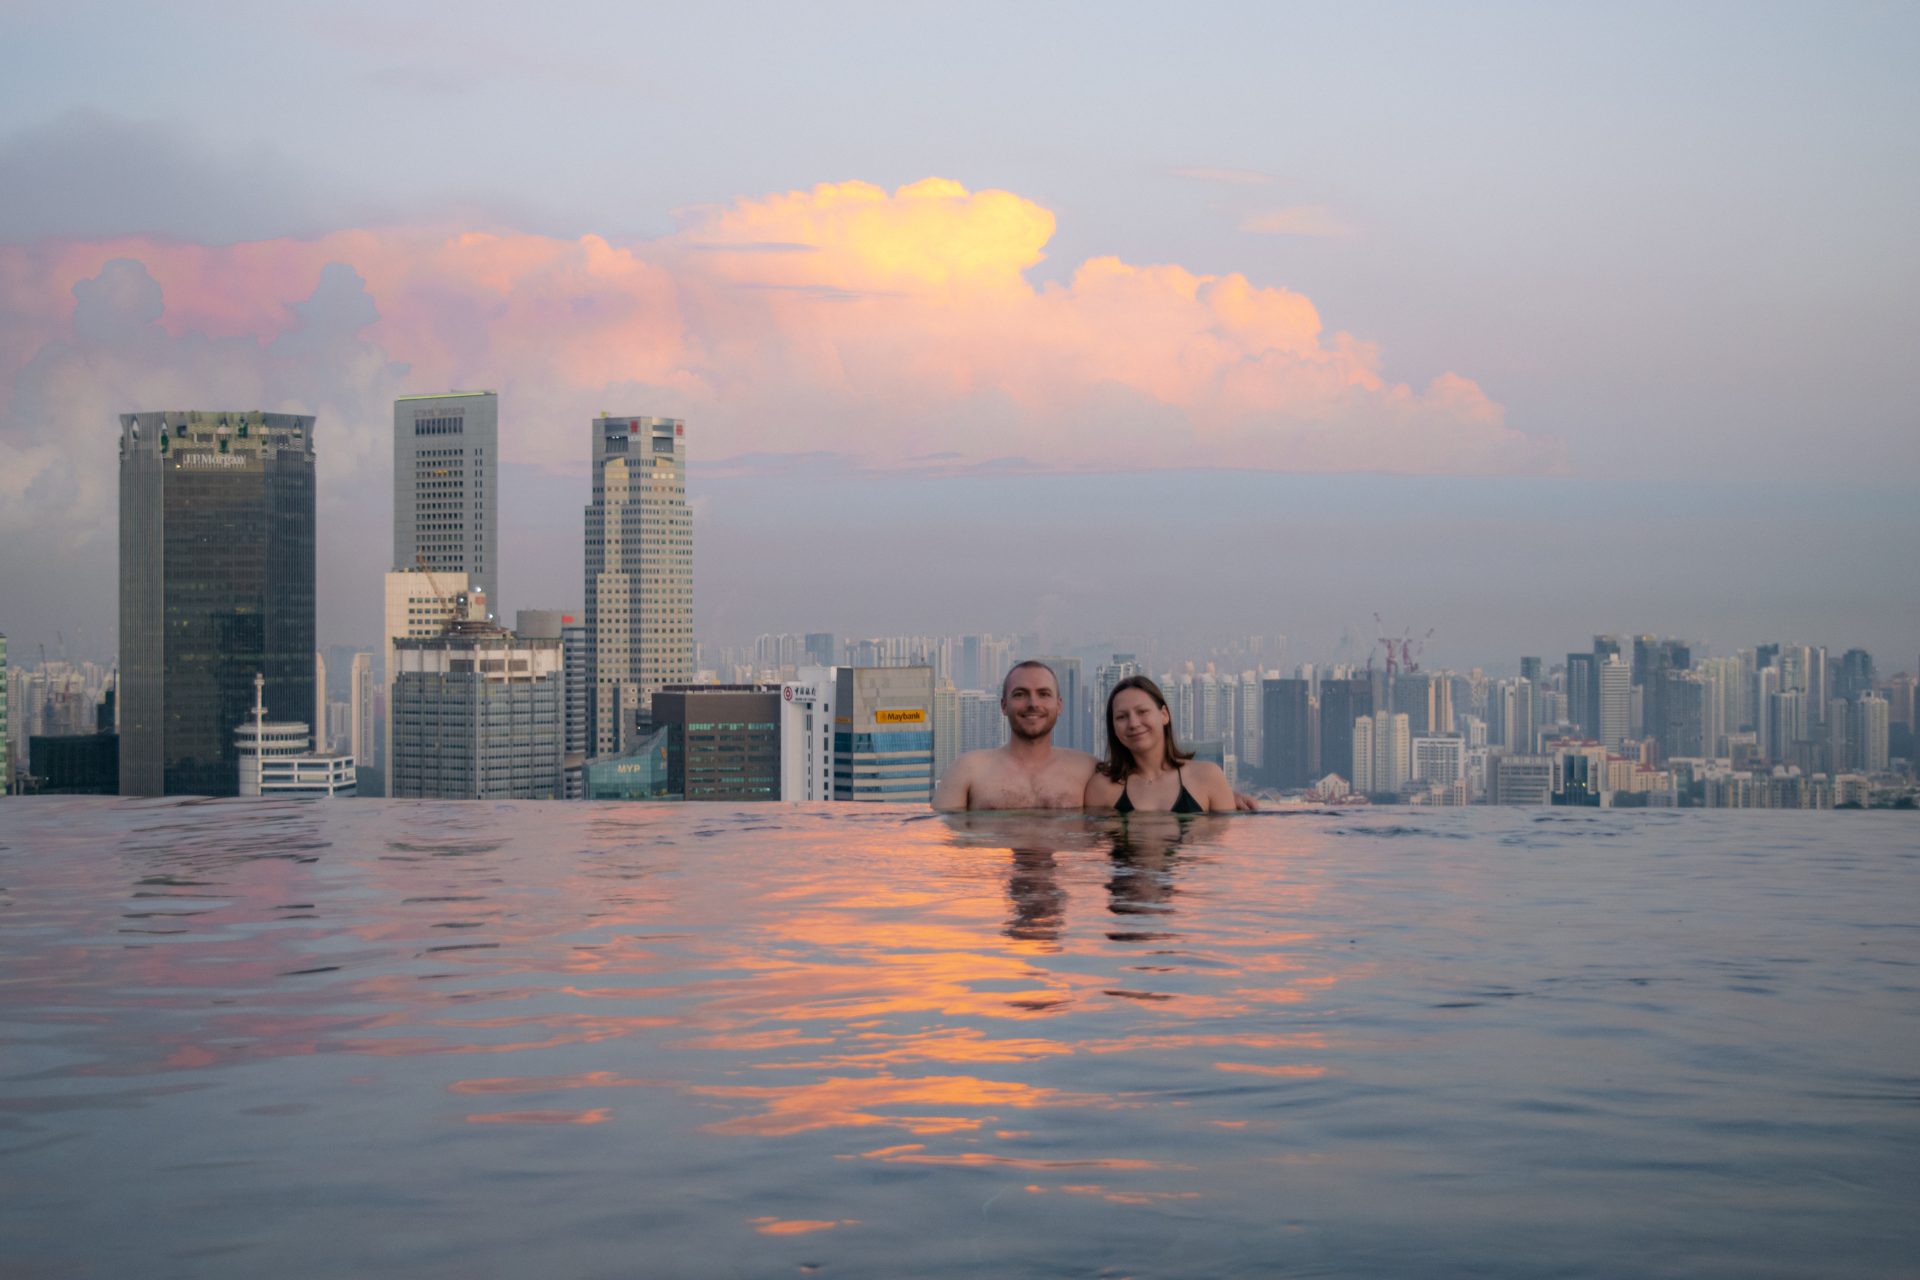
x: 902, y: 328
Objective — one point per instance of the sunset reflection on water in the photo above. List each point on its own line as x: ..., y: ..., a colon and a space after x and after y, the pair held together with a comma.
x: 1261, y: 1024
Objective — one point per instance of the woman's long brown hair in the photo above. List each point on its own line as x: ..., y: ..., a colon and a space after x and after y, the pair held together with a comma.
x: 1120, y: 764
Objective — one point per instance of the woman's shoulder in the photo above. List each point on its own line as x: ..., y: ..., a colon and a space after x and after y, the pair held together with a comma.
x: 1101, y: 788
x: 1208, y: 783
x: 1204, y: 771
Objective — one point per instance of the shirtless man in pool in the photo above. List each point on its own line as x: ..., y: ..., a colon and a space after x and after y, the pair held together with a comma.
x: 1029, y: 772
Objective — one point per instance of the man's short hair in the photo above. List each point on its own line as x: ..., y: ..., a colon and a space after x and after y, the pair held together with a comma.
x: 1006, y: 681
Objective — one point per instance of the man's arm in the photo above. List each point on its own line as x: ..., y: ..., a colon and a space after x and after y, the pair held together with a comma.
x: 954, y: 792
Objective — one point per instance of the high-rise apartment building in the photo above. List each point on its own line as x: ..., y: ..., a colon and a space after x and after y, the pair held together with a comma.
x: 360, y: 700
x: 1392, y: 751
x: 446, y: 490
x: 1360, y: 767
x: 946, y: 727
x: 1251, y: 710
x: 1870, y: 729
x: 1855, y: 676
x: 216, y: 585
x: 981, y: 724
x: 639, y: 572
x: 6, y: 735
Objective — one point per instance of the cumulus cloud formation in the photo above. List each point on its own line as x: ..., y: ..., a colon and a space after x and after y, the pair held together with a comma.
x: 891, y: 328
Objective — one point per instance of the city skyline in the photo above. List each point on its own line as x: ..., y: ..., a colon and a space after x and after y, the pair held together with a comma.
x: 1483, y: 320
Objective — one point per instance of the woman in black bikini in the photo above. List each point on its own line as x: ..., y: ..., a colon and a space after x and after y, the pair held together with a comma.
x: 1145, y: 769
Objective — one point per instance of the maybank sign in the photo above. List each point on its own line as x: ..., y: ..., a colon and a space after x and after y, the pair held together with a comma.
x: 910, y: 715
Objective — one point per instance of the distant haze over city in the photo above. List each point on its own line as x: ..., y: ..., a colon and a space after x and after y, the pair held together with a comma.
x: 1094, y: 324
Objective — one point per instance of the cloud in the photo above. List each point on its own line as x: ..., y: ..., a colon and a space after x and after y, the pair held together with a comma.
x: 88, y: 175
x: 1226, y: 177
x: 885, y: 327
x: 1298, y: 220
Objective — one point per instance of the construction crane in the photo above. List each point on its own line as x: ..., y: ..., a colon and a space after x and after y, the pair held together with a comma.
x: 1403, y: 654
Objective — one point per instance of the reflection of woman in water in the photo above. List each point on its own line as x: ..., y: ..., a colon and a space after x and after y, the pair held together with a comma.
x: 1145, y: 770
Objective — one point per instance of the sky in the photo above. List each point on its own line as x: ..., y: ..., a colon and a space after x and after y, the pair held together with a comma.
x: 1519, y: 323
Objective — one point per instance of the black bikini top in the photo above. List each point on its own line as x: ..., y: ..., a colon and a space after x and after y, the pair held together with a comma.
x: 1185, y: 803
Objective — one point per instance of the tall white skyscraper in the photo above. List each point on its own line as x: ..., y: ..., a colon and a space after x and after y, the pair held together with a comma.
x: 1616, y: 701
x: 639, y: 572
x: 1364, y: 755
x: 446, y: 461
x: 1870, y: 726
x: 1392, y: 750
x: 320, y: 744
x: 360, y: 697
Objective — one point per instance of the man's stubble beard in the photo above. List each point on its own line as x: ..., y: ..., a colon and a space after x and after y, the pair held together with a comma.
x: 1014, y: 730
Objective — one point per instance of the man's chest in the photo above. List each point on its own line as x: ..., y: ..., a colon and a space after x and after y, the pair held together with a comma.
x: 1056, y: 789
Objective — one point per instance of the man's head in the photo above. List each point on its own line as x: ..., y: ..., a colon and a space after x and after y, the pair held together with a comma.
x: 1030, y: 699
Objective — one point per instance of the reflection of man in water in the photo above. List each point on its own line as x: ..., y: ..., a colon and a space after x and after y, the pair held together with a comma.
x: 1029, y: 772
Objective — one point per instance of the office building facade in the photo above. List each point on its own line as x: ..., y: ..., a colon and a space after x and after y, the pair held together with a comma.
x: 723, y: 741
x: 860, y: 734
x: 639, y: 572
x: 446, y: 465
x: 419, y: 605
x: 477, y: 714
x: 1343, y: 700
x: 216, y: 584
x: 1286, y: 709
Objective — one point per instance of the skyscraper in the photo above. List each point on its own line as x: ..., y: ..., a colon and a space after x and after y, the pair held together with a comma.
x: 477, y: 713
x: 1855, y: 676
x: 1614, y: 707
x: 1286, y: 735
x: 418, y: 606
x: 1870, y: 732
x: 1581, y: 692
x: 639, y: 572
x: 360, y: 695
x: 1342, y: 701
x: 446, y: 463
x: 216, y: 584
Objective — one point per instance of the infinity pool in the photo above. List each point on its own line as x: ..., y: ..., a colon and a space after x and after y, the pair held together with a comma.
x: 246, y: 1039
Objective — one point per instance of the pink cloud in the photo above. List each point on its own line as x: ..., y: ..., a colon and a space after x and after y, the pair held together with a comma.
x: 884, y: 325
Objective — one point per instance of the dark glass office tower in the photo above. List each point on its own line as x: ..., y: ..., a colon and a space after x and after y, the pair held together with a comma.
x: 1341, y: 703
x: 216, y: 583
x: 1581, y: 698
x: 1286, y: 736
